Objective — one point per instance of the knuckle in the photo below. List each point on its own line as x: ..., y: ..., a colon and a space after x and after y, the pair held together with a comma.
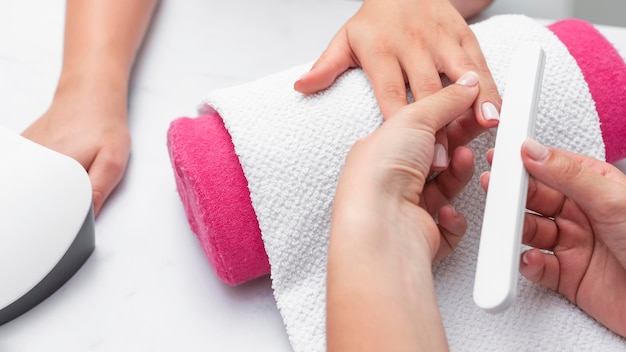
x: 416, y: 37
x: 383, y: 48
x: 493, y: 92
x: 466, y: 36
x: 568, y: 169
x: 393, y: 91
x: 114, y: 165
x: 428, y: 85
x: 467, y: 63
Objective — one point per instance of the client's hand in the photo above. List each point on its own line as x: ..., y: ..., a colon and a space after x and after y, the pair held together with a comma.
x: 399, y: 42
x: 87, y: 121
x: 408, y: 42
x: 579, y: 231
x: 383, y: 237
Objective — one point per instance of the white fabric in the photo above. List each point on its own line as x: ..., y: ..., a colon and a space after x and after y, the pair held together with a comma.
x: 292, y: 149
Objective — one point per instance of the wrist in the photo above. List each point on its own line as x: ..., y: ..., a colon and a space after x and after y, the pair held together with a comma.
x: 107, y: 85
x: 91, y: 94
x: 387, y: 201
x: 96, y: 73
x: 377, y: 220
x: 379, y: 265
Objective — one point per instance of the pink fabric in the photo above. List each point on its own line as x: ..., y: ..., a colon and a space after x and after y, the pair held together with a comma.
x: 214, y: 193
x: 605, y: 73
x: 214, y: 190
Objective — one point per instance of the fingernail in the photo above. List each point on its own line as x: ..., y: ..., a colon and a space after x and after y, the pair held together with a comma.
x: 441, y: 156
x: 483, y: 175
x: 525, y: 258
x: 306, y: 73
x: 490, y: 112
x: 535, y: 151
x: 469, y: 78
x: 454, y: 212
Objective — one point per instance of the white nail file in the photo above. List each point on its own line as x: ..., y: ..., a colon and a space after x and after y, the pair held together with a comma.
x: 495, y: 285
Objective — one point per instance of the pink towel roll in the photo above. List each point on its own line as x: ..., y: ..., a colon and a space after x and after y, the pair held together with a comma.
x: 214, y: 190
x: 605, y: 73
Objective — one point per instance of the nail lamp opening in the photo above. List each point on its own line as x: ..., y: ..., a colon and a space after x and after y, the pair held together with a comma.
x: 46, y: 222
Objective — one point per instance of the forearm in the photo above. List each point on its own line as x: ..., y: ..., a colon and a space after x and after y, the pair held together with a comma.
x: 102, y: 38
x: 380, y: 290
x: 470, y: 8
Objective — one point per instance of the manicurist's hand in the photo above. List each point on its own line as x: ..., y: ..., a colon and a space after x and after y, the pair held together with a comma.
x: 380, y: 291
x: 579, y: 231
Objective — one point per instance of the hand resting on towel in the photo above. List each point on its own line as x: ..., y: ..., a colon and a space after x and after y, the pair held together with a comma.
x: 409, y: 42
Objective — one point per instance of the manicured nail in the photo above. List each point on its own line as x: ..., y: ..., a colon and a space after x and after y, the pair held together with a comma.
x: 535, y: 150
x: 490, y: 112
x: 525, y: 258
x: 441, y: 156
x: 454, y: 212
x: 469, y: 78
x: 299, y: 78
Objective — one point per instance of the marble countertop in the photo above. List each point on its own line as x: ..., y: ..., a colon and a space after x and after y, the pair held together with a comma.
x: 148, y: 285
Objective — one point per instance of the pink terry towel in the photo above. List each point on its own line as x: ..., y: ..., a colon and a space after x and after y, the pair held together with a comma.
x: 605, y: 73
x: 214, y: 190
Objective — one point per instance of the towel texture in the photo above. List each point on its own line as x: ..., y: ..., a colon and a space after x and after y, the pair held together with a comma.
x: 291, y: 149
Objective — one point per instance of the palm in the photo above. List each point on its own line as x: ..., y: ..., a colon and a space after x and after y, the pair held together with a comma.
x: 590, y: 276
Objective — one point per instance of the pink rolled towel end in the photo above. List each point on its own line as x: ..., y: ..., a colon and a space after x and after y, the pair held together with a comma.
x: 215, y: 196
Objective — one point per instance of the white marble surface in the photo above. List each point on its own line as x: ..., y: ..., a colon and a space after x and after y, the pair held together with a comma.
x: 148, y: 286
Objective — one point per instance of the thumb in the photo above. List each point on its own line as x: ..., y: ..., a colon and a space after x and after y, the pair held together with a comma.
x: 571, y: 174
x: 104, y: 174
x: 439, y: 109
x: 335, y: 60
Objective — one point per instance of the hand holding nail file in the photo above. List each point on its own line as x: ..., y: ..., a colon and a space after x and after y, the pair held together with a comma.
x: 495, y: 285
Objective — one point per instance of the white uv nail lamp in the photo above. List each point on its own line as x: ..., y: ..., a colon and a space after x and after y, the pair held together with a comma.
x: 46, y: 222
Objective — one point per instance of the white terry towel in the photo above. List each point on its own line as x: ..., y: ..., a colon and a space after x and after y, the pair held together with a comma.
x: 292, y: 148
